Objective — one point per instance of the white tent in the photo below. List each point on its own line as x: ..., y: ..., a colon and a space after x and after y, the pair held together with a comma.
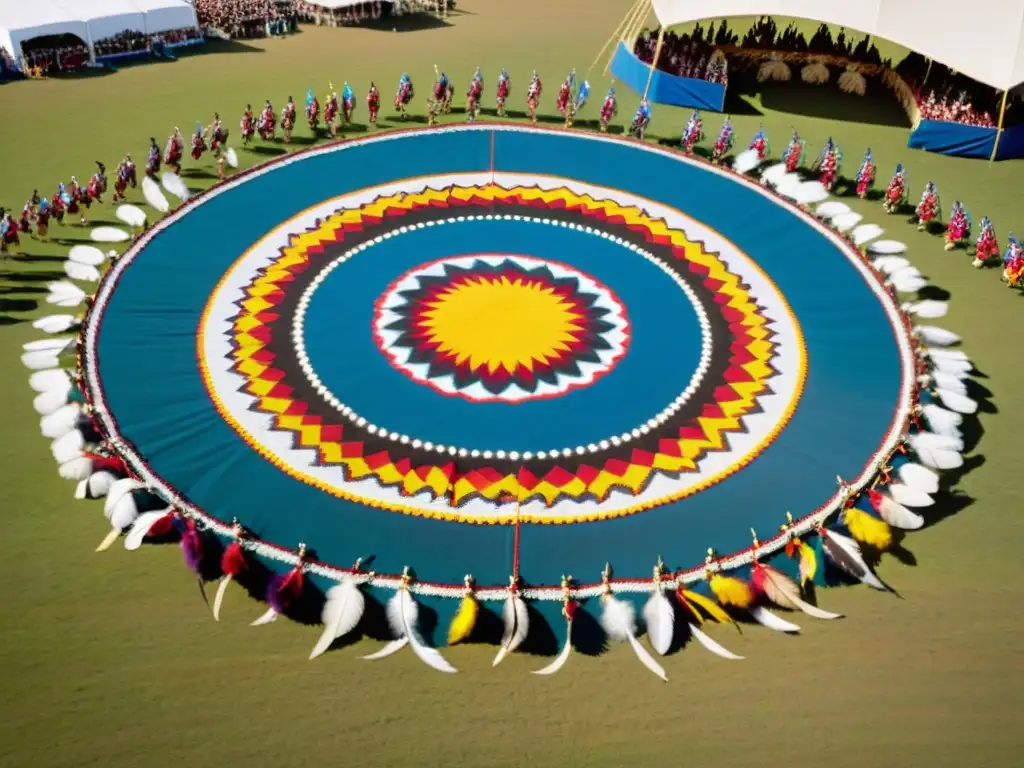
x: 21, y: 21
x: 989, y: 48
x: 164, y: 15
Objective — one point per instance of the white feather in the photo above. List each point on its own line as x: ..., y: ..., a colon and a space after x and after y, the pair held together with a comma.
x: 942, y: 421
x: 890, y: 264
x: 89, y: 255
x: 832, y: 208
x: 957, y: 355
x: 787, y: 185
x: 928, y: 308
x: 562, y: 657
x: 846, y: 221
x: 866, y: 232
x: 810, y: 192
x: 744, y: 162
x: 140, y: 528
x: 109, y: 235
x: 935, y: 442
x: 154, y: 197
x: 60, y: 346
x: 949, y: 382
x: 619, y: 622
x: 906, y: 283
x: 957, y: 368
x: 660, y: 620
x: 267, y: 618
x: 916, y: 476
x: 56, y: 323
x: 887, y: 247
x: 45, y: 381
x: 173, y: 184
x: 773, y: 173
x: 517, y: 626
x: 909, y: 496
x: 343, y: 608
x: 231, y: 156
x: 64, y: 293
x: 394, y: 612
x: 131, y: 215
x: 898, y: 516
x: 766, y: 618
x: 938, y: 337
x: 429, y: 656
x: 852, y: 550
x: 109, y: 539
x: 388, y: 650
x: 37, y: 361
x: 118, y: 489
x: 47, y: 403
x: 81, y: 272
x: 218, y: 598
x: 711, y: 645
x: 907, y: 273
x: 96, y: 486
x: 956, y: 401
x: 68, y: 446
x: 124, y: 512
x: 61, y: 421
x: 77, y: 469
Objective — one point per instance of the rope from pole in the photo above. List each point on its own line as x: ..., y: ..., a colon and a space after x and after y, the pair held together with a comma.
x: 654, y: 61
x: 617, y: 34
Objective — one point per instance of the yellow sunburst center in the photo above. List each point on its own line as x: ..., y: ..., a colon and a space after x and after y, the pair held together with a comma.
x: 492, y: 323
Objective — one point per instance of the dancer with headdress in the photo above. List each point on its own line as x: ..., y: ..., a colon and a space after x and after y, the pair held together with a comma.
x: 313, y: 112
x: 43, y: 219
x: 692, y: 132
x: 9, y: 238
x: 248, y: 125
x: 565, y: 95
x: 641, y: 120
x: 70, y: 196
x: 97, y: 185
x: 896, y: 193
x: 175, y: 150
x: 58, y: 203
x: 331, y: 109
x: 348, y: 103
x: 198, y: 142
x: 25, y: 222
x: 473, y: 95
x: 218, y: 135
x: 125, y: 176
x: 403, y: 94
x: 533, y: 93
x: 865, y: 175
x: 267, y: 123
x: 986, y: 247
x: 958, y: 229
x: 373, y: 103
x: 288, y: 114
x: 581, y: 99
x: 723, y: 143
x: 930, y: 208
x: 609, y: 109
x: 793, y: 156
x: 760, y: 144
x: 504, y: 88
x: 829, y: 164
x: 443, y: 92
x: 1013, y: 263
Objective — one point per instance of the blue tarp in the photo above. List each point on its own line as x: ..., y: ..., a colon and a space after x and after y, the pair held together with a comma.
x: 966, y: 140
x: 666, y: 88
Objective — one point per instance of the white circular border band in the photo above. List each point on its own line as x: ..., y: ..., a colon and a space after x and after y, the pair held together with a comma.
x: 257, y: 427
x: 806, y: 521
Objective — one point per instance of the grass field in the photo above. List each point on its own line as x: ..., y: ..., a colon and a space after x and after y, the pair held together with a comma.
x: 113, y: 660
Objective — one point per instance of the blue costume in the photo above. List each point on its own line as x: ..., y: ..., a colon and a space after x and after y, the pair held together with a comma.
x: 583, y: 95
x: 641, y: 119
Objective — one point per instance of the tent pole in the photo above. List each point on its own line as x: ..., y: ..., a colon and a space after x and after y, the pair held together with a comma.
x: 633, y: 32
x: 999, y: 130
x: 927, y: 72
x: 654, y: 61
x: 616, y: 34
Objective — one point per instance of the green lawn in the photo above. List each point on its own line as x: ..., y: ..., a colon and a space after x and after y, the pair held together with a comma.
x: 113, y: 660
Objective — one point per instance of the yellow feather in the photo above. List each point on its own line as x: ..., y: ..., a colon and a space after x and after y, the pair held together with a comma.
x: 708, y: 606
x: 731, y: 591
x: 808, y: 564
x: 867, y: 529
x: 464, y: 621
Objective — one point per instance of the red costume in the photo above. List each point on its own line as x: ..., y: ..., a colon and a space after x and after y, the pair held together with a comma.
x: 8, y: 232
x: 313, y: 115
x: 25, y: 223
x: 174, y: 151
x: 218, y: 136
x: 267, y: 122
x: 331, y: 108
x: 564, y: 97
x: 43, y: 220
x: 198, y: 145
x: 503, y: 91
x: 929, y: 208
x: 248, y: 125
x: 57, y: 207
x: 373, y: 103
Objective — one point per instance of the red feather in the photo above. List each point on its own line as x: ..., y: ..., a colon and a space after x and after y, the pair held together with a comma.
x: 757, y: 577
x: 161, y: 527
x: 569, y: 609
x: 232, y: 562
x: 113, y: 464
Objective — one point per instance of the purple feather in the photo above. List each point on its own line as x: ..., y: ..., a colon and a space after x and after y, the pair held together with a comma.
x: 274, y: 593
x: 192, y: 548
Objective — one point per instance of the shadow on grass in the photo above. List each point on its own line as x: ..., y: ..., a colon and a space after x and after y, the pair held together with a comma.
x: 416, y: 22
x: 18, y: 305
x: 828, y: 103
x: 266, y: 149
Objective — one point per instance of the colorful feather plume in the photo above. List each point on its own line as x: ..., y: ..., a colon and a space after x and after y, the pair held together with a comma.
x: 728, y: 590
x: 846, y: 554
x: 193, y: 550
x: 465, y: 618
x: 694, y: 600
x: 149, y: 524
x: 343, y: 609
x: 894, y: 513
x: 233, y: 563
x: 618, y: 619
x: 517, y: 622
x: 283, y: 589
x: 867, y: 529
x: 569, y: 608
x: 782, y: 591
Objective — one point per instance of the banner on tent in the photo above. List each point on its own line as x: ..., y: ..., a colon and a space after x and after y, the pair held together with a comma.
x: 666, y: 88
x: 961, y: 140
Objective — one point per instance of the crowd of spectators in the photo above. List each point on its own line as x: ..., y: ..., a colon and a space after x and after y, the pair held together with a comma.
x: 247, y: 18
x: 54, y: 55
x: 8, y: 65
x: 943, y: 94
x: 338, y: 17
x: 131, y: 41
x: 685, y: 55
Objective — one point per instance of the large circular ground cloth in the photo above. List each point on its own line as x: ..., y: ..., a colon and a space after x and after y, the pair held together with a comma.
x: 491, y: 350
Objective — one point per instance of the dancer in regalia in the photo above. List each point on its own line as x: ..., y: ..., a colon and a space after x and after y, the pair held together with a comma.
x: 25, y: 222
x: 312, y: 112
x: 9, y: 239
x: 218, y: 134
x: 175, y: 150
x: 577, y: 105
x: 70, y: 195
x: 348, y: 103
x: 692, y: 132
x: 896, y: 193
x: 865, y: 175
x: 43, y: 219
x: 476, y: 90
x: 403, y: 94
x: 443, y: 91
x: 288, y: 114
x: 331, y: 109
x: 929, y: 208
x: 125, y: 176
x: 565, y: 96
x: 793, y: 156
x: 641, y: 119
x: 247, y: 124
x: 504, y: 88
x: 267, y: 123
x: 1013, y: 263
x: 198, y: 142
x: 958, y: 229
x: 97, y: 183
x: 373, y: 103
x: 533, y: 93
x: 723, y: 143
x: 986, y: 247
x: 760, y: 144
x: 58, y: 202
x: 829, y: 164
x: 609, y: 109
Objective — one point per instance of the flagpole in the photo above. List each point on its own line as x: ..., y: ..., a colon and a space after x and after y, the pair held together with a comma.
x: 999, y: 130
x: 654, y: 61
